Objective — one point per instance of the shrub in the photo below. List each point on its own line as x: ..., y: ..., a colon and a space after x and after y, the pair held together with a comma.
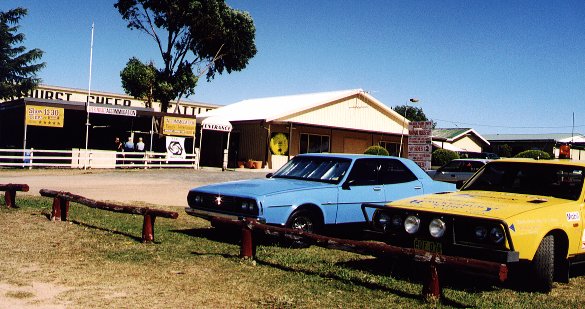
x: 443, y: 156
x: 376, y: 150
x: 534, y: 154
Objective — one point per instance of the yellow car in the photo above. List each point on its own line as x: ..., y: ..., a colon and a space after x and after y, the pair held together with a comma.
x: 511, y: 211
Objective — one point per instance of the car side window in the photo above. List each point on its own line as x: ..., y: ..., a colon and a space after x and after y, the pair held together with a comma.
x: 364, y: 172
x: 453, y: 166
x: 393, y: 171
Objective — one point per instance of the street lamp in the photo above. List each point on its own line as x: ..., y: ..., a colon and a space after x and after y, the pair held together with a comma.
x: 412, y: 100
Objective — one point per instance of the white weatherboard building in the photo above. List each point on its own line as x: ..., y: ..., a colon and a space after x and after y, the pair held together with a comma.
x: 274, y: 129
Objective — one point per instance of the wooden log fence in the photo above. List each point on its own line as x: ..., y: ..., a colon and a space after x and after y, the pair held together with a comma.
x: 10, y: 193
x: 60, y: 210
x: 431, y: 286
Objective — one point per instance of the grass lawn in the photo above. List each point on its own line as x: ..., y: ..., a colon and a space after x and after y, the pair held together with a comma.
x: 97, y: 260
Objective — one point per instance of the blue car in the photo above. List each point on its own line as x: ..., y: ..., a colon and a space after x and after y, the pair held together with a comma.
x: 312, y: 191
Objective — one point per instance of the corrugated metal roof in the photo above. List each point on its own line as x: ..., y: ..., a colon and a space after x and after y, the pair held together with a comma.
x: 449, y: 133
x: 274, y: 108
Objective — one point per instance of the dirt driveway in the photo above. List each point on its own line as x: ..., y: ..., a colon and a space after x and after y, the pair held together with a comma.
x: 156, y: 186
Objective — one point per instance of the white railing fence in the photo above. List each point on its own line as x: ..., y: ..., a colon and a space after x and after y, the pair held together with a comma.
x: 93, y: 158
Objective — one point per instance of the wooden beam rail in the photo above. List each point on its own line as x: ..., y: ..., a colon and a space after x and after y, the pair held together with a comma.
x: 60, y: 211
x: 431, y: 287
x: 10, y: 193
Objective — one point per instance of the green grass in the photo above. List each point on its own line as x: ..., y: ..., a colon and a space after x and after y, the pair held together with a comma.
x: 99, y: 258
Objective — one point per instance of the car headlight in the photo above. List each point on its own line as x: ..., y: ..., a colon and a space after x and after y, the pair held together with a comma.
x: 497, y: 235
x: 396, y: 221
x: 381, y: 219
x: 411, y: 224
x: 480, y: 232
x: 198, y: 199
x: 437, y: 228
x: 245, y: 206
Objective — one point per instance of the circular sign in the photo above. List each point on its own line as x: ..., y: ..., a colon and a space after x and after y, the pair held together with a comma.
x: 279, y: 144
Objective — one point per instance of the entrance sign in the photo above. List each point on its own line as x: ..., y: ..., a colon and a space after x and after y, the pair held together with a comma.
x: 419, y: 143
x: 216, y: 124
x: 44, y: 116
x: 179, y: 126
x: 111, y: 111
x: 176, y: 148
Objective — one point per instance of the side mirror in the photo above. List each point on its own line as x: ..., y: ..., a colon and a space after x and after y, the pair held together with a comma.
x: 346, y: 185
x: 269, y: 175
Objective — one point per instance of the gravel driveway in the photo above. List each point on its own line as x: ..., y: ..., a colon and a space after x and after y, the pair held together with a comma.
x: 156, y: 186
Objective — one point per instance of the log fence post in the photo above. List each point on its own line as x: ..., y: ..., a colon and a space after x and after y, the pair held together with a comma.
x: 432, y: 286
x: 247, y: 247
x: 10, y: 193
x: 148, y: 228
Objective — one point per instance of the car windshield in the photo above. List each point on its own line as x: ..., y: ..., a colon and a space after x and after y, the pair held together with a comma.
x: 322, y: 169
x: 561, y: 181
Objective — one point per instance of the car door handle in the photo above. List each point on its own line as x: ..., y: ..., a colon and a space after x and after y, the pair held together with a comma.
x: 417, y: 187
x: 377, y: 188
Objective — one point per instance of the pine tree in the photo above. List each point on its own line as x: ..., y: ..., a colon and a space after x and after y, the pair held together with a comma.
x: 17, y: 66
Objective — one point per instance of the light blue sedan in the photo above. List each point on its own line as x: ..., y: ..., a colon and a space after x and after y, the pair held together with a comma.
x: 312, y: 191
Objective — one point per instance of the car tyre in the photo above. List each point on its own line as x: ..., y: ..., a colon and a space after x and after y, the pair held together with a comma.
x: 304, y: 220
x: 543, y: 264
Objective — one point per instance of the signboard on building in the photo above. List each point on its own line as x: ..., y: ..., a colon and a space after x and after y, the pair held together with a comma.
x: 111, y: 111
x: 176, y: 148
x: 44, y: 116
x: 179, y: 126
x: 419, y: 143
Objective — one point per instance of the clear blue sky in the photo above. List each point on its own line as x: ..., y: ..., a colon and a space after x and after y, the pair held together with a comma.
x: 495, y: 66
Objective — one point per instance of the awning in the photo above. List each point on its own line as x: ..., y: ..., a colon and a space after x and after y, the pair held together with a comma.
x: 446, y: 145
x: 216, y: 123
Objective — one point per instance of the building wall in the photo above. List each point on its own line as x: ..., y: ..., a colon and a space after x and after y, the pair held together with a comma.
x: 99, y: 97
x: 351, y: 113
x: 468, y: 144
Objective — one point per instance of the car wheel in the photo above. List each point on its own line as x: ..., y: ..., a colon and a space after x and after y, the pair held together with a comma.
x: 304, y: 220
x: 543, y: 264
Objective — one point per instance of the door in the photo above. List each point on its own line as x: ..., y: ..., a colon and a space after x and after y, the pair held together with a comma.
x: 398, y: 181
x: 361, y: 186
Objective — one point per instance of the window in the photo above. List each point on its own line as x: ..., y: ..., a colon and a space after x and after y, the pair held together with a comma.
x: 394, y: 171
x: 392, y: 148
x: 364, y: 172
x: 311, y: 143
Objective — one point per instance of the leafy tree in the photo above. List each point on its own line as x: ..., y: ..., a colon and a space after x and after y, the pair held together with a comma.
x: 194, y: 38
x: 441, y: 157
x: 534, y: 154
x: 139, y: 80
x: 17, y: 67
x: 376, y: 150
x: 413, y: 113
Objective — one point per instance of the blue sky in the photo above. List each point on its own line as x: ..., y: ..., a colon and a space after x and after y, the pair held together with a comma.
x: 495, y: 66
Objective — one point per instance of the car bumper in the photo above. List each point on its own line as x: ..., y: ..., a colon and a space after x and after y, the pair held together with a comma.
x: 459, y: 250
x: 208, y: 215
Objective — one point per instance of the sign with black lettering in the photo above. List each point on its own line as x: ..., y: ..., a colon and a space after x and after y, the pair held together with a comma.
x: 419, y: 143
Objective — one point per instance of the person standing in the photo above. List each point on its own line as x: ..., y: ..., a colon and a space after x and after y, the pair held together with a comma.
x: 129, y: 145
x: 140, y: 145
x: 117, y: 144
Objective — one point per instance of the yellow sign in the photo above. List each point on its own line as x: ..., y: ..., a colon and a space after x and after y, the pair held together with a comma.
x: 178, y: 126
x: 44, y: 116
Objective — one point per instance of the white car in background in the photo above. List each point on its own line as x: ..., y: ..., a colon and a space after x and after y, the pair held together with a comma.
x: 459, y: 170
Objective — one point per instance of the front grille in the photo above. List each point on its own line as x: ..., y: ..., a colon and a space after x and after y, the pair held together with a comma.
x: 222, y: 203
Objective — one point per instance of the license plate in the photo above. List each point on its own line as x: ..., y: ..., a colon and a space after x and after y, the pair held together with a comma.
x: 428, y: 246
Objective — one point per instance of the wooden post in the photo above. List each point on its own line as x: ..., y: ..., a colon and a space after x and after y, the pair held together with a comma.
x: 10, y: 198
x: 64, y: 209
x: 148, y: 228
x: 60, y: 211
x: 247, y: 246
x: 56, y: 211
x: 432, y: 286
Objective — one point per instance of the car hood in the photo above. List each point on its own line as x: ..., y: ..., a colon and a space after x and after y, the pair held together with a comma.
x: 261, y: 186
x: 497, y: 205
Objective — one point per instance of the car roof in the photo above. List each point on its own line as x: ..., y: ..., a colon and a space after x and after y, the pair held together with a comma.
x: 473, y: 159
x: 534, y: 161
x: 352, y: 156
